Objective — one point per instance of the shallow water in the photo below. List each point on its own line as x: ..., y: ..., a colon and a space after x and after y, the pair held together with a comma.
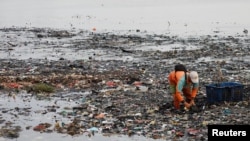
x: 162, y: 16
x: 34, y: 117
x: 170, y: 47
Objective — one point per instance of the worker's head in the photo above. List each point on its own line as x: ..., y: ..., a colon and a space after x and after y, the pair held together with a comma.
x: 194, y: 76
x: 180, y: 67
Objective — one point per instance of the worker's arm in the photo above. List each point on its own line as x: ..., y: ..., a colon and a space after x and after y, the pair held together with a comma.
x: 195, y: 90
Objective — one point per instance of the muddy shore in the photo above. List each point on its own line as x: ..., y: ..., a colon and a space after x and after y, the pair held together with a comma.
x: 115, y: 83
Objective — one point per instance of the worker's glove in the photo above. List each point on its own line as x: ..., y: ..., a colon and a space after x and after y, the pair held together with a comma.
x: 185, y: 106
x: 192, y: 103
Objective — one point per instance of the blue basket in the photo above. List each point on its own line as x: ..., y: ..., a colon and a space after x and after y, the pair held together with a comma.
x: 226, y: 91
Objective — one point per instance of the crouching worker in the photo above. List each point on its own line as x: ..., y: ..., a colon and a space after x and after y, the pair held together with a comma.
x: 184, y: 87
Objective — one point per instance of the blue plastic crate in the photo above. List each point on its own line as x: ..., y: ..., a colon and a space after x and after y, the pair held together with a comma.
x: 226, y: 91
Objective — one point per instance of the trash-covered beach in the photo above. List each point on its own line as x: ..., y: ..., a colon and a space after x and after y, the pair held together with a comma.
x: 97, y: 70
x: 76, y: 84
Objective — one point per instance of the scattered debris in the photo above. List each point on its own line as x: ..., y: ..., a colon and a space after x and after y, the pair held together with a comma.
x: 129, y: 97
